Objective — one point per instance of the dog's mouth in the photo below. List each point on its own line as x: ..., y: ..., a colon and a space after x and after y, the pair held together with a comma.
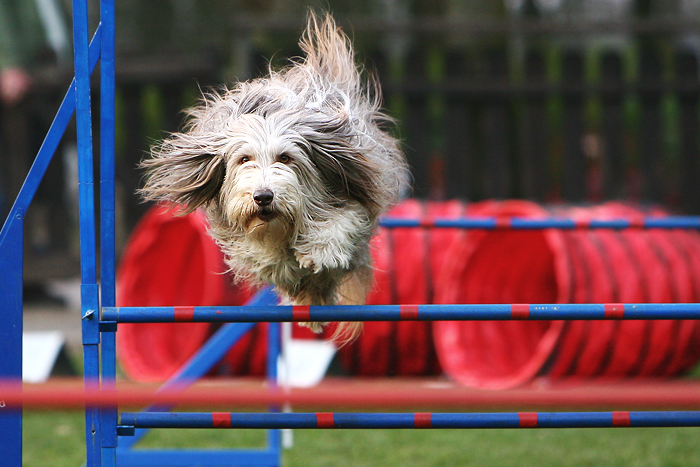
x: 266, y: 214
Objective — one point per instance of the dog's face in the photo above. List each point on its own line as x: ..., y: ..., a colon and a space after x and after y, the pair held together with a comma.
x: 268, y: 172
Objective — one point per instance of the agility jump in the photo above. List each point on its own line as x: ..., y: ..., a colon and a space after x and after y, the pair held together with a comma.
x: 100, y: 315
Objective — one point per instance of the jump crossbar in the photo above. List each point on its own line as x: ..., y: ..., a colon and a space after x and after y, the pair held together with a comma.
x: 131, y: 420
x: 529, y: 223
x: 578, y: 311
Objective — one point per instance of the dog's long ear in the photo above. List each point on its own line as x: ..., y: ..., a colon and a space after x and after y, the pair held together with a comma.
x: 347, y: 172
x: 184, y: 171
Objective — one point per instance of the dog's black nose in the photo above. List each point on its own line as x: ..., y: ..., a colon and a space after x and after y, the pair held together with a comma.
x: 263, y: 197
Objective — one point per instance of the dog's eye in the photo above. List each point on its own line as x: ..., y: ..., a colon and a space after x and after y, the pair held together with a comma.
x: 244, y: 159
x: 285, y: 158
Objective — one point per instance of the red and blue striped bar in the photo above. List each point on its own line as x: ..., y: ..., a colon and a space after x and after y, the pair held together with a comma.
x: 529, y: 223
x: 478, y: 312
x: 410, y: 420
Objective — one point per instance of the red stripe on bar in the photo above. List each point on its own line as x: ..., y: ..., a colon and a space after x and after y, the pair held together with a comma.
x: 423, y: 420
x: 614, y: 310
x: 582, y: 223
x: 221, y: 419
x: 519, y: 311
x: 184, y: 313
x: 325, y: 420
x: 427, y: 222
x: 408, y: 312
x: 528, y: 419
x: 637, y: 222
x: 621, y: 419
x: 503, y: 223
x: 301, y: 313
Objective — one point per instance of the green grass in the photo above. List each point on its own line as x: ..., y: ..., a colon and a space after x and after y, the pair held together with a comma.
x: 55, y: 439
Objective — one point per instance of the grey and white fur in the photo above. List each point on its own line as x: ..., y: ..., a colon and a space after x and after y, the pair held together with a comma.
x: 293, y: 171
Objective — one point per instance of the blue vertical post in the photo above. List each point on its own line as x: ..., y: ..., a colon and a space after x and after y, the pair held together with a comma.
x: 108, y: 420
x: 11, y: 334
x: 107, y: 145
x: 88, y: 260
x: 274, y: 437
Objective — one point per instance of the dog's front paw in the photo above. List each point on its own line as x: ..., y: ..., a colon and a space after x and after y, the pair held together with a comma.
x: 319, y: 258
x: 316, y: 327
x: 307, y: 262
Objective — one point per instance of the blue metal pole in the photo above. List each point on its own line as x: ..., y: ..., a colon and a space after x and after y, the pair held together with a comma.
x: 107, y: 146
x: 557, y: 311
x: 88, y: 260
x: 198, y: 457
x: 11, y: 335
x: 413, y: 420
x: 84, y: 130
x: 108, y: 420
x: 274, y: 436
x: 91, y: 369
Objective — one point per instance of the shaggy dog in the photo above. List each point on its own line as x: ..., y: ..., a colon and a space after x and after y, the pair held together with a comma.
x: 293, y: 171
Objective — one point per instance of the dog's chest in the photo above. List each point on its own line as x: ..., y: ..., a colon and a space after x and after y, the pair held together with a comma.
x: 272, y: 263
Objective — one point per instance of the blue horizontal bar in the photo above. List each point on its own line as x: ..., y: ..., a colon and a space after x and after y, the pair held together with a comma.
x: 474, y: 312
x: 460, y: 223
x: 528, y: 223
x: 664, y: 419
x: 413, y: 420
x: 198, y: 457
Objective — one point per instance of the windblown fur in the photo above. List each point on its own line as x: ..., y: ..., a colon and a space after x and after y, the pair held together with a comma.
x: 293, y: 171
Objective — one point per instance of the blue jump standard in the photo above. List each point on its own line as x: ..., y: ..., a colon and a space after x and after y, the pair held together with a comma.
x: 585, y: 311
x: 130, y: 420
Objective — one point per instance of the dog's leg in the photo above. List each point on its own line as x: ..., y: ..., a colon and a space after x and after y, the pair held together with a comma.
x: 352, y: 291
x: 306, y: 299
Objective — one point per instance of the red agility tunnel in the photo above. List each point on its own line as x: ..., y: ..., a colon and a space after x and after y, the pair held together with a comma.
x: 407, y: 262
x: 561, y: 266
x: 171, y: 261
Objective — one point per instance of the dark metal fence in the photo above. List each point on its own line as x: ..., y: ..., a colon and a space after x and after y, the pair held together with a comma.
x: 543, y: 110
x: 486, y: 109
